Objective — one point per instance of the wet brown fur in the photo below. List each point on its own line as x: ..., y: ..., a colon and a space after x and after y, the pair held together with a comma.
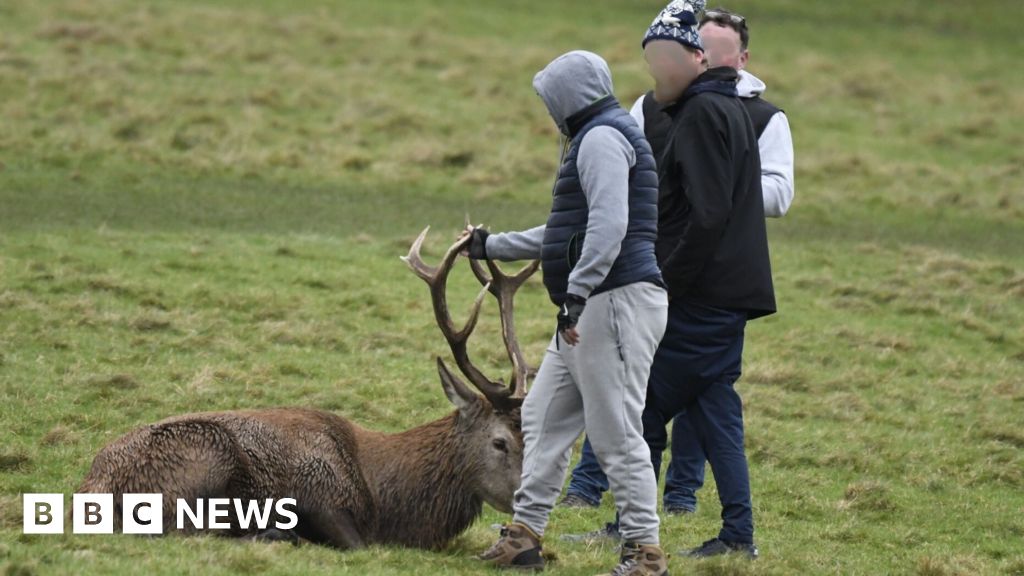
x: 353, y: 486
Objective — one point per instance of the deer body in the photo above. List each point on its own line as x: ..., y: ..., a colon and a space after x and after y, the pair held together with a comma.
x: 352, y: 486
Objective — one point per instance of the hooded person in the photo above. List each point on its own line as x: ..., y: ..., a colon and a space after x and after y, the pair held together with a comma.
x: 599, y: 267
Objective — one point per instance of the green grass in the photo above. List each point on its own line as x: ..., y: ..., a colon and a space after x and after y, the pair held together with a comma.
x: 202, y: 205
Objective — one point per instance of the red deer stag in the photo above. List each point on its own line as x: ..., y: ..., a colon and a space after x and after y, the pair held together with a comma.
x: 352, y: 486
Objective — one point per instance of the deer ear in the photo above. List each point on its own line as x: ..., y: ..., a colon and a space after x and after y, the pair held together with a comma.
x: 457, y: 392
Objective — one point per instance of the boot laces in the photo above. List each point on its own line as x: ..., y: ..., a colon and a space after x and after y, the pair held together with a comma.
x: 497, y: 546
x: 624, y: 567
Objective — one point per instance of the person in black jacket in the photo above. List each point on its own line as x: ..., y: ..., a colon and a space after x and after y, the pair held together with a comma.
x: 726, y: 38
x: 713, y: 251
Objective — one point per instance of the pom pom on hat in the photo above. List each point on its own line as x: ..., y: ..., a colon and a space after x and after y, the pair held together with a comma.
x: 678, y: 21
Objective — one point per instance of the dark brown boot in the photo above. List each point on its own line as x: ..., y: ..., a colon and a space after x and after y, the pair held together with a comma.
x: 519, y: 547
x: 641, y: 560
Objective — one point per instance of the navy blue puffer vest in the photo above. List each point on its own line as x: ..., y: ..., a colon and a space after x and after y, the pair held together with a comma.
x: 567, y: 224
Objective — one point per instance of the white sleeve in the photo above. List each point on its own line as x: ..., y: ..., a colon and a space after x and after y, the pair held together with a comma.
x: 776, y: 147
x: 637, y: 111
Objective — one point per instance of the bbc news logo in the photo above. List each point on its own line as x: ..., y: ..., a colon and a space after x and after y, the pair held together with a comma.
x: 144, y: 514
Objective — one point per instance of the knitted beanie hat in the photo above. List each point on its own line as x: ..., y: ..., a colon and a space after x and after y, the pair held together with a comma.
x: 678, y: 21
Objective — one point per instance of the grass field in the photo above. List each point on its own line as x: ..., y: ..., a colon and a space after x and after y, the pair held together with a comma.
x: 202, y: 205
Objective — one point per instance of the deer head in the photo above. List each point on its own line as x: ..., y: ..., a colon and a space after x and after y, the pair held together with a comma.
x: 491, y: 442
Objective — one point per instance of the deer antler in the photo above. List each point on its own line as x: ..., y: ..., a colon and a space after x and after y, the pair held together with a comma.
x: 500, y: 396
x: 504, y: 287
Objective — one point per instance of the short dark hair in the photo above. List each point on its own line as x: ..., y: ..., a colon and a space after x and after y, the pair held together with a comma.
x: 723, y: 17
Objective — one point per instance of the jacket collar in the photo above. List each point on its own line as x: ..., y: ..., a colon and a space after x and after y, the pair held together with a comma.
x: 577, y: 121
x: 721, y: 80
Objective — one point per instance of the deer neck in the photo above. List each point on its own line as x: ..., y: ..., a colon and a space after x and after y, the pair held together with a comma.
x: 421, y: 485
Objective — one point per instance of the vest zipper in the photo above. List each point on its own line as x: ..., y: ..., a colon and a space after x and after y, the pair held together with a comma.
x: 561, y: 159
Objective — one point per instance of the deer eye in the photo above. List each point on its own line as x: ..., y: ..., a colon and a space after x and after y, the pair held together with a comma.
x: 499, y: 444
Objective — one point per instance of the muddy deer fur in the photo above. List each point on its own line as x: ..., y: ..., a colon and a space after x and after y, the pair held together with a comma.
x: 353, y: 486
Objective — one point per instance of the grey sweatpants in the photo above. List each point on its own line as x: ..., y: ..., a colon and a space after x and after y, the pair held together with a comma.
x: 600, y: 385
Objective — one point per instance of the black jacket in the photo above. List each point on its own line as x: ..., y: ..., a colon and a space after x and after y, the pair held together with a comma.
x: 712, y: 244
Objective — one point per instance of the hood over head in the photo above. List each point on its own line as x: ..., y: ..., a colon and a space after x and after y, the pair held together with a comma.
x: 572, y: 82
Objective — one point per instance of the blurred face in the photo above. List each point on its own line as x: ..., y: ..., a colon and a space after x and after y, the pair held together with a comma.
x: 723, y: 46
x: 673, y: 68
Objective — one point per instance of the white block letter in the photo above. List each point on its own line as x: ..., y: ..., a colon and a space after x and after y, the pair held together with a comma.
x: 43, y: 514
x: 92, y: 513
x: 216, y: 513
x: 195, y: 517
x: 293, y: 518
x: 253, y: 511
x: 143, y: 513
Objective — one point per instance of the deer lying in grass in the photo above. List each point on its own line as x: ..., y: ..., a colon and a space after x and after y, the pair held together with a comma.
x: 352, y: 486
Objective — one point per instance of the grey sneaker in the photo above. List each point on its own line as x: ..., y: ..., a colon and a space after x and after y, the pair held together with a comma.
x: 718, y: 547
x: 577, y: 501
x: 608, y: 534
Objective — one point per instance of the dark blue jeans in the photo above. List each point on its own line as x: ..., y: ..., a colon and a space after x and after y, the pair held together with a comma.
x: 684, y: 477
x: 588, y: 480
x: 685, y: 474
x: 697, y: 364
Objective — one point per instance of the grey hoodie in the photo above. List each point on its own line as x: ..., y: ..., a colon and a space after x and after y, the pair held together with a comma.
x: 567, y: 85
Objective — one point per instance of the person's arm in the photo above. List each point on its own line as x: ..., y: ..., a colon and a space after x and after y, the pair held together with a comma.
x: 776, y: 147
x: 509, y: 246
x: 637, y: 111
x: 707, y: 167
x: 604, y: 160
